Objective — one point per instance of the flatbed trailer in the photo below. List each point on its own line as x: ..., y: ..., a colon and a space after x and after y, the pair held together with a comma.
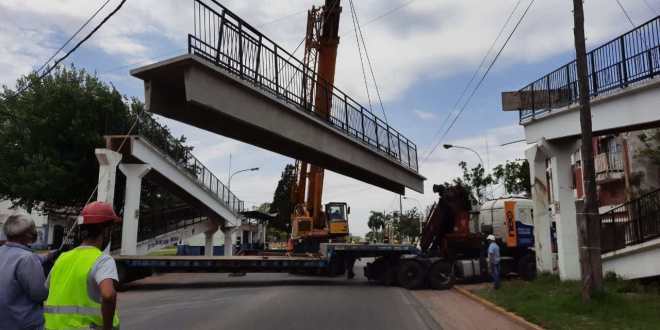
x: 331, y: 261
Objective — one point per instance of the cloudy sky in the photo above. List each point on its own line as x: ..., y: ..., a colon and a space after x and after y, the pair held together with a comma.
x: 424, y: 53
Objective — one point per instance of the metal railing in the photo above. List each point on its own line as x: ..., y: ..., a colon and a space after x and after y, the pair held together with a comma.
x: 160, y: 221
x: 160, y: 137
x: 628, y: 59
x: 611, y: 161
x: 223, y: 38
x: 632, y: 223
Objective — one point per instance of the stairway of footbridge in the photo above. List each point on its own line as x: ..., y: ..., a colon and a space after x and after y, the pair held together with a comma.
x: 238, y: 83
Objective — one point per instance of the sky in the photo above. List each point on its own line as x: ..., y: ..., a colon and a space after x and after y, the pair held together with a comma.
x: 424, y: 52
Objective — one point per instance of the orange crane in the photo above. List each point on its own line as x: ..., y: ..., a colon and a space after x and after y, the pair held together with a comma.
x: 309, y: 222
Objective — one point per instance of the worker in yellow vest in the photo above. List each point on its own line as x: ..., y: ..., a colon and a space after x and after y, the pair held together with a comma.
x: 82, y: 282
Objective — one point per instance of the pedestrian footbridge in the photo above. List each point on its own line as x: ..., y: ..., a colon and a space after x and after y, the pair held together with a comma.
x: 236, y: 82
x: 152, y: 154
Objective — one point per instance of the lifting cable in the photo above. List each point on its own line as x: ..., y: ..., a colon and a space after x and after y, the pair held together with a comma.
x: 357, y: 41
x: 625, y: 13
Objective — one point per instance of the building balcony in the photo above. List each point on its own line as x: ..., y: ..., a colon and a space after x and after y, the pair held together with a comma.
x: 609, y: 166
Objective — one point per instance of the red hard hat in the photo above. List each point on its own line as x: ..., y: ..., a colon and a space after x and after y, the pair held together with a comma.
x: 98, y: 212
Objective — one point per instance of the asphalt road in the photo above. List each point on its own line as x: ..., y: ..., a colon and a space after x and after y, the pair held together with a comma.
x: 269, y: 301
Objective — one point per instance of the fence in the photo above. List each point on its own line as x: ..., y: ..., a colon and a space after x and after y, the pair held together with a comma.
x: 631, y: 223
x: 628, y: 59
x: 223, y: 38
x: 160, y: 137
x: 161, y: 221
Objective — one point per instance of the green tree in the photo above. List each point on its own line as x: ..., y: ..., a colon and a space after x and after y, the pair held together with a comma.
x: 651, y: 150
x: 515, y: 176
x: 376, y: 221
x: 408, y: 225
x: 475, y: 179
x: 49, y: 132
x: 282, y: 199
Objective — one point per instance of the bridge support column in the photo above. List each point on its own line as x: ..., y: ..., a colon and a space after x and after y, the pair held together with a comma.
x: 229, y: 240
x: 208, y: 238
x: 129, y: 233
x: 542, y: 218
x: 563, y: 208
x: 108, y: 161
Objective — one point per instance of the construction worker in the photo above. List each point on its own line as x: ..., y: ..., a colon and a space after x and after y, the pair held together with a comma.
x: 82, y: 282
x: 494, y: 260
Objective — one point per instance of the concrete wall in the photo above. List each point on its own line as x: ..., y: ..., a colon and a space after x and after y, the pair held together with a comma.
x: 642, y: 260
x: 624, y: 110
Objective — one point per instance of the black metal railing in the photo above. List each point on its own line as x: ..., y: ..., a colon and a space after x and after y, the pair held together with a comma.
x: 632, y: 223
x: 223, y: 38
x: 626, y: 60
x: 160, y: 137
x: 160, y: 221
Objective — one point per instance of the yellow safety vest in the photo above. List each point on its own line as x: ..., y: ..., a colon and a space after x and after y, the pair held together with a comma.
x: 68, y: 305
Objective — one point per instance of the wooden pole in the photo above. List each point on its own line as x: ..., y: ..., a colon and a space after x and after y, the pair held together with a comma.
x: 588, y: 217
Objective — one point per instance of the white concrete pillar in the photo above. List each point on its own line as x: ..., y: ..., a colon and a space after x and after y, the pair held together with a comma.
x: 129, y: 233
x: 229, y: 241
x: 208, y: 238
x: 567, y: 240
x: 108, y: 161
x: 542, y: 217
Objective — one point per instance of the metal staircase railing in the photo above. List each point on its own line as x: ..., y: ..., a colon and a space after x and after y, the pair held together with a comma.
x: 634, y: 222
x: 224, y: 39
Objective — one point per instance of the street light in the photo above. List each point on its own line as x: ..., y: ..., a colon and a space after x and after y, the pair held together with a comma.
x: 239, y: 171
x: 449, y: 146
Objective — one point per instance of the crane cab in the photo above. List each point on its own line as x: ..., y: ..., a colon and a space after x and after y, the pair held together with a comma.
x: 337, y: 215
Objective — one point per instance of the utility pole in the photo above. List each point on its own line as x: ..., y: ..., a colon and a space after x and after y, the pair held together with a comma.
x: 588, y: 217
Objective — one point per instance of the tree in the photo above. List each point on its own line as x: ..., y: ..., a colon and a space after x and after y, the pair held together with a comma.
x: 475, y: 179
x: 651, y: 150
x: 49, y: 132
x: 408, y: 225
x: 515, y: 177
x: 282, y: 199
x: 376, y: 221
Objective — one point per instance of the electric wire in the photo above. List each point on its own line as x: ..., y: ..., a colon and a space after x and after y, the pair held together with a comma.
x: 65, y: 56
x: 364, y: 74
x: 625, y: 13
x: 73, y: 36
x: 366, y: 54
x: 483, y: 78
x: 476, y: 72
x: 383, y: 15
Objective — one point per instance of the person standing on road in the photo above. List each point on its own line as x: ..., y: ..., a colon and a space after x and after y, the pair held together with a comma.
x: 82, y: 282
x: 494, y: 261
x: 22, y: 289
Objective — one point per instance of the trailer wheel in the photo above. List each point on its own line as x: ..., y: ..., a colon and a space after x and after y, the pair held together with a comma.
x: 411, y: 274
x: 527, y: 267
x: 441, y: 275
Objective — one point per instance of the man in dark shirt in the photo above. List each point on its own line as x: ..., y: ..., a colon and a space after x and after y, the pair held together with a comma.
x: 21, y: 277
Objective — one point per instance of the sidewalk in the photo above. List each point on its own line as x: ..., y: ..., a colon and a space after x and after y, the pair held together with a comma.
x: 452, y: 310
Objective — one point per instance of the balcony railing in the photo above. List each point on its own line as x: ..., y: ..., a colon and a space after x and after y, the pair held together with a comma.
x: 608, y: 162
x: 626, y: 60
x: 632, y: 223
x: 223, y: 38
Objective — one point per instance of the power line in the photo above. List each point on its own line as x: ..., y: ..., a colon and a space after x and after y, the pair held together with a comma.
x: 476, y: 72
x: 281, y: 18
x: 366, y: 54
x: 625, y: 13
x: 89, y: 35
x: 357, y: 40
x: 483, y: 78
x: 74, y: 35
x: 383, y: 15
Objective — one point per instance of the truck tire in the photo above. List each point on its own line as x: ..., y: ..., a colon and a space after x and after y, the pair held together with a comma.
x: 527, y: 267
x: 411, y: 274
x: 441, y: 275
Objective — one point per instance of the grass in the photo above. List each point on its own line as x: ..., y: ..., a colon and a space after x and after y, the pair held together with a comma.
x: 164, y: 252
x: 553, y: 304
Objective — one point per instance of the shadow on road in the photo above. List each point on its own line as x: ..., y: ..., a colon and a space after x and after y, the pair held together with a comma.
x: 140, y: 286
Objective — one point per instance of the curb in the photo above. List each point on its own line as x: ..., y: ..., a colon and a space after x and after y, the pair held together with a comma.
x: 511, y: 316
